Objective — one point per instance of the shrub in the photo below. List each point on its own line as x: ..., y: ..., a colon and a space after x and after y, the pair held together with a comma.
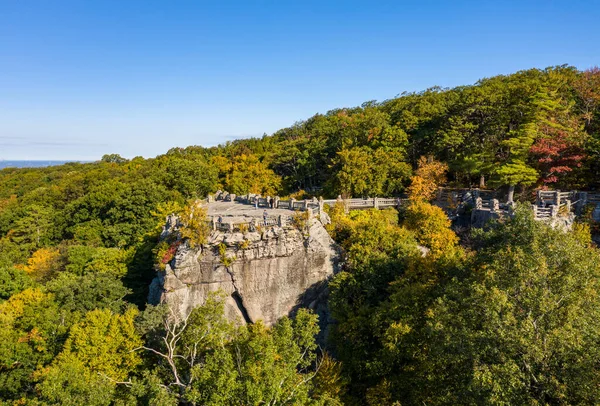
x: 194, y: 224
x: 225, y: 260
x: 300, y: 221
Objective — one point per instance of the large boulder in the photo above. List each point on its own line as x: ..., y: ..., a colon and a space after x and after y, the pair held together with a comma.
x: 265, y: 275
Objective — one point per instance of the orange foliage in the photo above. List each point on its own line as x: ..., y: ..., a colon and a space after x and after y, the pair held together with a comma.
x: 43, y: 263
x: 427, y: 178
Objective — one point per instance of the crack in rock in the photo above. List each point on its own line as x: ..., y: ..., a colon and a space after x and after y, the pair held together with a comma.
x: 239, y: 301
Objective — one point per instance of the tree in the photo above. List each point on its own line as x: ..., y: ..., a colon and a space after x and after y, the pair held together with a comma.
x: 431, y: 227
x: 77, y: 295
x: 520, y: 327
x: 515, y: 170
x: 12, y: 281
x: 43, y: 263
x: 558, y: 154
x: 31, y: 334
x: 559, y: 140
x: 354, y: 171
x: 362, y: 171
x: 194, y: 224
x: 113, y: 158
x: 99, y: 353
x: 587, y: 86
x: 247, y: 174
x: 202, y: 358
x: 83, y: 260
x: 35, y: 227
x: 71, y: 383
x: 428, y: 177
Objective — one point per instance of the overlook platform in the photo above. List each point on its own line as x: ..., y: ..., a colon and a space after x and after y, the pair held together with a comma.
x: 233, y: 212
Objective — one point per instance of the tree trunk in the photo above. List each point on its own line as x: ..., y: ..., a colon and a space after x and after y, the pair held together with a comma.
x: 482, y: 181
x: 511, y: 193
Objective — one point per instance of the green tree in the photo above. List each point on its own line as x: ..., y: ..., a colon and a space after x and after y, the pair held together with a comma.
x: 99, y: 353
x: 519, y: 327
x: 204, y: 359
x: 35, y: 227
x: 515, y: 170
x: 31, y: 334
x: 12, y: 281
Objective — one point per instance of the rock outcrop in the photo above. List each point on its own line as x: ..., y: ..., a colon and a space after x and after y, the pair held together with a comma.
x: 265, y: 275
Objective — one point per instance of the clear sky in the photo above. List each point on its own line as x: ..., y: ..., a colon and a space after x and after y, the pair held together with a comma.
x: 79, y: 79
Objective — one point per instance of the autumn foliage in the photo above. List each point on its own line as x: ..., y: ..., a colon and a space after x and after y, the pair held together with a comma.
x: 43, y: 263
x: 557, y: 155
x: 428, y: 177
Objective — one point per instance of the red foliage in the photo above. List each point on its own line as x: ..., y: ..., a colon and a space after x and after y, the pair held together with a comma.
x: 557, y: 154
x: 170, y: 252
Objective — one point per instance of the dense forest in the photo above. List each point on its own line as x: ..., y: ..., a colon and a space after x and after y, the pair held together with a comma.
x: 505, y: 315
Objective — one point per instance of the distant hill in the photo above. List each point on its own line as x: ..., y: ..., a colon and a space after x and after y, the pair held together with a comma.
x: 31, y: 164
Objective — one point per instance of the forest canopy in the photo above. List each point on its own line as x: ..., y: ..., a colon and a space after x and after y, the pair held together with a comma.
x: 505, y: 316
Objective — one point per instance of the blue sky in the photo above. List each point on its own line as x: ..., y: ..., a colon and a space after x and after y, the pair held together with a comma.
x: 79, y: 79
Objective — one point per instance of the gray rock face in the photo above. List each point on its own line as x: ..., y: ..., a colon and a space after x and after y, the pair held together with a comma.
x: 271, y: 273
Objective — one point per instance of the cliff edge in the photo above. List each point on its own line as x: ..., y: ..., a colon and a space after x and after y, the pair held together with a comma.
x: 265, y: 274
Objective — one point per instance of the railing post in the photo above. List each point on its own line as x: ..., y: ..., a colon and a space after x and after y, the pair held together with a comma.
x: 553, y: 210
x: 568, y: 202
x: 321, y: 204
x: 495, y: 205
x: 276, y: 203
x: 478, y: 203
x: 534, y: 207
x: 557, y: 198
x: 375, y: 203
x: 292, y: 201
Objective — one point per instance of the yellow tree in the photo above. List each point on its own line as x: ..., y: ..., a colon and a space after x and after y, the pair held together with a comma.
x: 43, y: 263
x: 431, y: 227
x: 429, y: 175
x: 99, y: 353
x: 247, y: 174
x: 194, y: 226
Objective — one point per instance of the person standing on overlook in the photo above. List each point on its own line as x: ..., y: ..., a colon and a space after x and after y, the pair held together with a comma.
x: 265, y: 215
